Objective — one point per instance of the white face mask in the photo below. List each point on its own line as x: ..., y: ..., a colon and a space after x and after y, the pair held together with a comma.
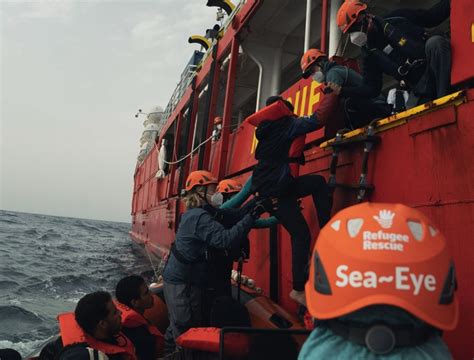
x: 318, y: 76
x: 359, y: 38
x: 217, y: 199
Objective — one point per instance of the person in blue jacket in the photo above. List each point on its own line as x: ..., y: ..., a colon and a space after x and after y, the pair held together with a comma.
x: 185, y: 277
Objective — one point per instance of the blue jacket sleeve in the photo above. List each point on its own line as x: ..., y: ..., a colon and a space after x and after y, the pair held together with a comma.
x: 303, y: 125
x: 335, y: 77
x: 216, y: 235
x: 240, y: 198
x: 265, y: 223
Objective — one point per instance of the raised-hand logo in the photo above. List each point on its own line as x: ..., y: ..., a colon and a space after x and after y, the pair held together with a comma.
x: 385, y: 218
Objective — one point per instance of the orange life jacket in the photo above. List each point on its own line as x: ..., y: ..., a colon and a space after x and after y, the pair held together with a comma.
x: 208, y: 339
x: 72, y: 333
x: 158, y: 314
x: 132, y: 319
x: 274, y: 112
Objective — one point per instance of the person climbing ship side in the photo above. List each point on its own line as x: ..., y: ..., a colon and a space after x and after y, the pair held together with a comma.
x: 277, y: 131
x: 186, y: 272
x: 398, y: 45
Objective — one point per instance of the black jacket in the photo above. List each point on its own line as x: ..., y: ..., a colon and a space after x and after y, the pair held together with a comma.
x: 271, y: 176
x: 411, y: 23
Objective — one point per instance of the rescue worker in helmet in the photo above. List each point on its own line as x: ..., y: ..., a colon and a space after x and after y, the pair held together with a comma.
x: 280, y: 134
x: 357, y: 111
x: 382, y: 283
x: 134, y: 298
x: 222, y: 260
x: 186, y: 273
x: 398, y: 45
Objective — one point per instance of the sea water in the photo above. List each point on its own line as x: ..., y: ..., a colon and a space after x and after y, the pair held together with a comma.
x: 47, y: 263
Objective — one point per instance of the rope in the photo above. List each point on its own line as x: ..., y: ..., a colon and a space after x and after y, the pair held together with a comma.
x: 152, y: 266
x: 188, y: 155
x: 193, y: 150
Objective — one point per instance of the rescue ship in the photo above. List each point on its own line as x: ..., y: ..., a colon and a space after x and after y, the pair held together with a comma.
x: 422, y: 157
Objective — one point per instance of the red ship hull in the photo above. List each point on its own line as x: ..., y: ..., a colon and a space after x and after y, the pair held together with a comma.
x: 425, y: 159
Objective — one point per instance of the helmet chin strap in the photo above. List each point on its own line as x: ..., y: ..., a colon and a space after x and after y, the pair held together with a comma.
x: 204, y: 198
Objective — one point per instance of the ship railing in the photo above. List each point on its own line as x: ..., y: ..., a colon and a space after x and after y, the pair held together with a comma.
x: 191, y: 70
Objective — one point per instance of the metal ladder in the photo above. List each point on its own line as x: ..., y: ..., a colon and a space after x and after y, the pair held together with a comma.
x: 369, y: 139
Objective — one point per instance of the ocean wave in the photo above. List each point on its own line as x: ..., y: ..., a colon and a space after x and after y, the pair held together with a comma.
x: 83, y: 225
x: 9, y: 214
x: 31, y: 232
x: 23, y: 347
x: 10, y: 221
x: 15, y: 314
x: 50, y: 235
x: 13, y: 273
x: 7, y: 285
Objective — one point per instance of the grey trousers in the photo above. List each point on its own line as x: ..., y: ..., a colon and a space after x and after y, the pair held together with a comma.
x: 436, y: 81
x: 185, y: 310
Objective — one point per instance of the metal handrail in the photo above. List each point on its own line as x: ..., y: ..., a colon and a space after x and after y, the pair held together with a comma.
x: 191, y: 71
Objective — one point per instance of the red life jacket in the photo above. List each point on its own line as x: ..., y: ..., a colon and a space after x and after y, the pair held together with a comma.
x: 208, y: 339
x: 274, y: 112
x: 72, y: 333
x: 132, y: 319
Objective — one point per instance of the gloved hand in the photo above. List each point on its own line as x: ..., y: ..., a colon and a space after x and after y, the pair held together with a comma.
x: 264, y: 205
x: 333, y: 87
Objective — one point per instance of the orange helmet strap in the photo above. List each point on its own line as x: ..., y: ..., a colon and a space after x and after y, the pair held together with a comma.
x: 381, y: 338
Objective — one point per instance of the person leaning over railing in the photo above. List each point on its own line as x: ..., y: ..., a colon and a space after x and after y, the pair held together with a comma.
x: 399, y: 45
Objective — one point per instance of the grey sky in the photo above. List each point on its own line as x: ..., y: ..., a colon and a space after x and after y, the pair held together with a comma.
x: 73, y: 73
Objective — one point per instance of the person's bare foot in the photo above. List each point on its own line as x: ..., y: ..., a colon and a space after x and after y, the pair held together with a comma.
x: 298, y: 296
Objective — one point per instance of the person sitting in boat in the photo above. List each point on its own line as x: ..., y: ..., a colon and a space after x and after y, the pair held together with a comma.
x: 134, y: 298
x: 91, y: 332
x: 357, y: 111
x: 382, y: 284
x: 186, y: 272
x: 281, y: 137
x: 398, y: 45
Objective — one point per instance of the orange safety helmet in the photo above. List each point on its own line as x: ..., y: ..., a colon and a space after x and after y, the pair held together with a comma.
x: 348, y: 13
x: 199, y: 178
x: 383, y: 254
x: 308, y: 59
x: 229, y: 186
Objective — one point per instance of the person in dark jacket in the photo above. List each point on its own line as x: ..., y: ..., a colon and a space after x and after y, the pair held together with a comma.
x: 398, y: 45
x: 185, y: 276
x: 134, y: 298
x: 222, y: 261
x: 272, y: 177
